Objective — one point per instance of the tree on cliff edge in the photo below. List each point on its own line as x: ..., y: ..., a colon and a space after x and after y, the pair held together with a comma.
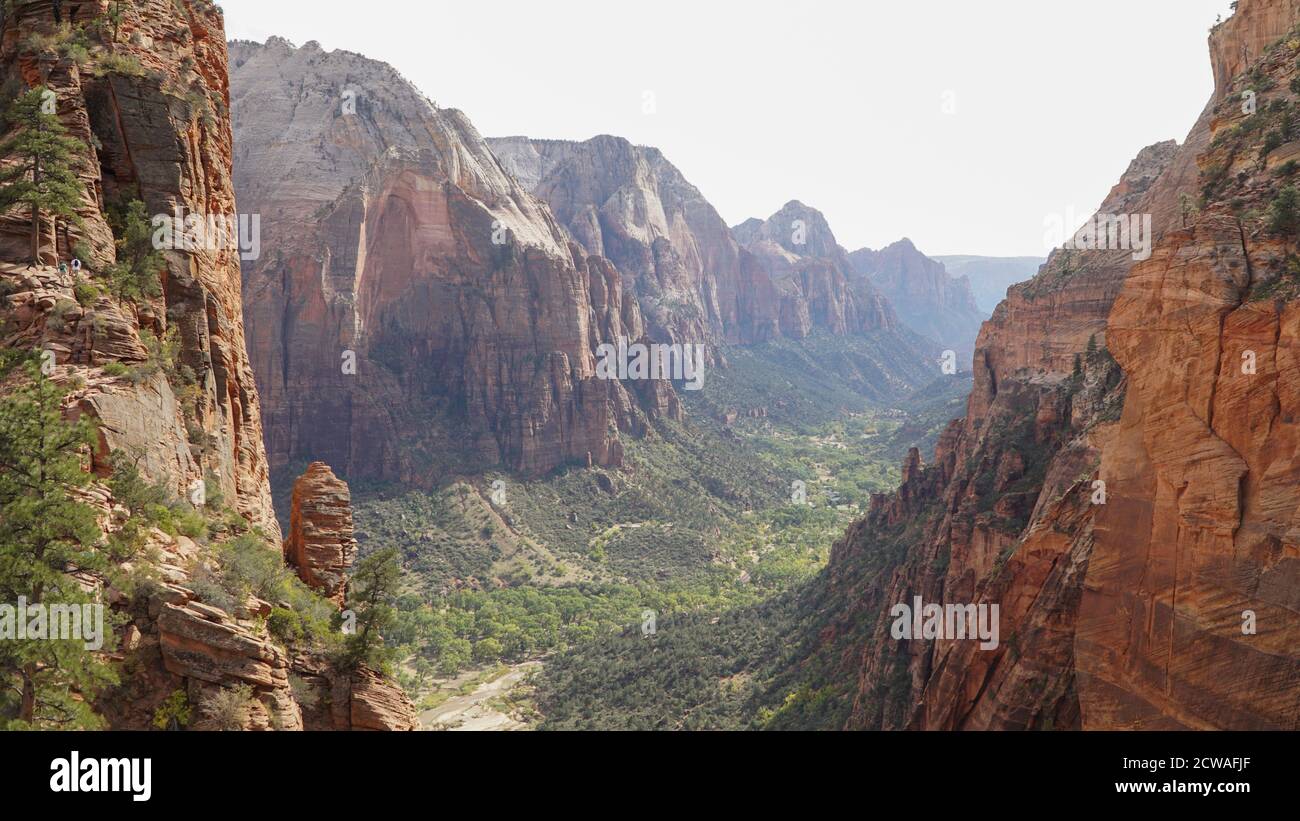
x: 46, y: 533
x: 37, y: 158
x: 371, y: 592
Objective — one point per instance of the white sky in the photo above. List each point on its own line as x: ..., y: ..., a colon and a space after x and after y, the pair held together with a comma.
x: 835, y: 103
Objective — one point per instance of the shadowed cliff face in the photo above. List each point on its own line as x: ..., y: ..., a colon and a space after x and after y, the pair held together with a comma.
x: 415, y: 303
x: 1125, y: 514
x: 802, y: 280
x: 630, y: 205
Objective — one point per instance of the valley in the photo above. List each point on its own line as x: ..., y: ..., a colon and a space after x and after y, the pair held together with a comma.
x: 737, y: 503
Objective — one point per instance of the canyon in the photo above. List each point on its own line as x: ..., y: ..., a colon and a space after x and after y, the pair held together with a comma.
x: 1120, y: 487
x: 434, y: 300
x: 427, y: 352
x: 928, y: 299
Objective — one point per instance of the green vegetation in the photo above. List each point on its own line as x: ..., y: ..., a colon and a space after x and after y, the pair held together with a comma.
x: 135, y: 275
x: 793, y: 660
x: 701, y: 521
x: 1284, y: 212
x: 174, y: 713
x: 371, y: 594
x: 46, y: 528
x: 1284, y: 283
x: 40, y: 176
x: 227, y: 708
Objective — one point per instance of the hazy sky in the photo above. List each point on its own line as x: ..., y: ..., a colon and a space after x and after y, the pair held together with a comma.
x: 962, y: 124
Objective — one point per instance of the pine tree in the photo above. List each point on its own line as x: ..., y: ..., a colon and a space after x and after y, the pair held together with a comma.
x: 373, y: 587
x: 45, y: 532
x: 115, y: 16
x: 136, y: 274
x: 41, y: 177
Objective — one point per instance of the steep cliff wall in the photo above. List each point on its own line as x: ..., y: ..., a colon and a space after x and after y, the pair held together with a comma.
x: 629, y: 204
x: 695, y: 278
x: 416, y: 303
x: 800, y: 279
x: 1188, y: 619
x: 153, y: 129
x: 1124, y: 512
x: 165, y: 379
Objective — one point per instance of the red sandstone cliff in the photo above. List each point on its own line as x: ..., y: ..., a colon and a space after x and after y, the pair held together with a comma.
x: 1120, y: 610
x: 1188, y: 618
x: 320, y: 544
x: 157, y: 132
x: 148, y: 103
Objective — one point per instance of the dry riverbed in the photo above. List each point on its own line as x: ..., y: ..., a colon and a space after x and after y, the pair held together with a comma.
x: 479, y: 700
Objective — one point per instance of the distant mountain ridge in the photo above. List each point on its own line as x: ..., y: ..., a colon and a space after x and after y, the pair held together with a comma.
x: 926, y: 296
x: 691, y: 275
x: 990, y: 277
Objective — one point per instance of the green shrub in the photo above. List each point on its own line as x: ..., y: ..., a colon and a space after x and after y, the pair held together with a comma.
x: 1272, y: 141
x: 116, y: 369
x: 86, y: 294
x: 174, y: 713
x: 125, y: 64
x: 136, y: 274
x: 207, y: 586
x: 250, y: 567
x: 285, y: 625
x: 1284, y: 212
x: 190, y: 523
x: 81, y: 251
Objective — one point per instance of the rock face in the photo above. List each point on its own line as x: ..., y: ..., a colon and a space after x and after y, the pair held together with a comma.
x: 361, y: 700
x: 153, y: 134
x: 806, y: 280
x: 418, y: 305
x: 174, y: 642
x: 320, y: 545
x: 155, y: 137
x: 694, y: 278
x: 630, y: 205
x: 1124, y: 514
x: 928, y: 300
x: 1189, y: 617
x: 153, y: 126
